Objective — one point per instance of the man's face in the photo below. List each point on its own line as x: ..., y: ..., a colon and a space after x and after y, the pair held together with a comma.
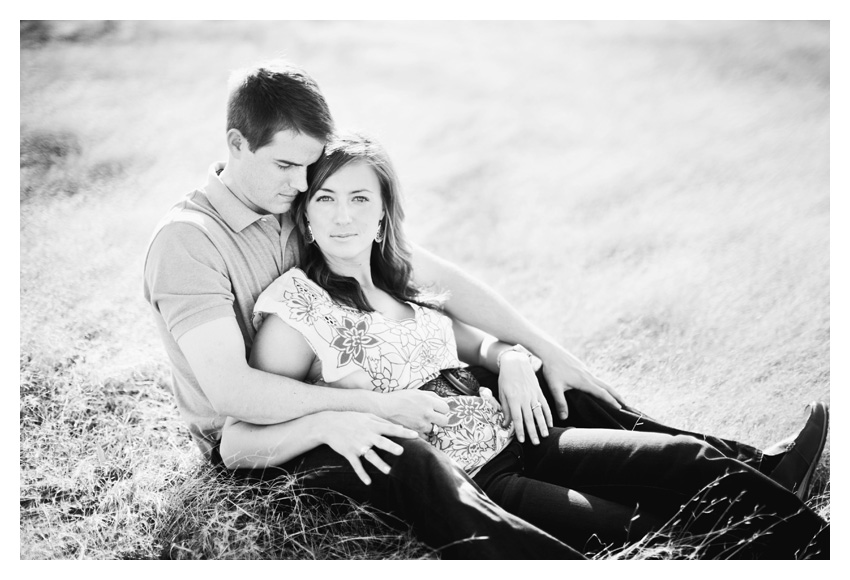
x: 272, y: 176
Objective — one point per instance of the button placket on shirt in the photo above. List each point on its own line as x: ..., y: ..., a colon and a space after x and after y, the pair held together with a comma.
x: 271, y: 229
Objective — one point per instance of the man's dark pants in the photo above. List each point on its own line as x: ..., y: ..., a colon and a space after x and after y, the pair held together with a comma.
x: 449, y: 511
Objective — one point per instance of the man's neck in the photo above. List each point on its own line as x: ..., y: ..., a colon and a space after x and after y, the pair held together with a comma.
x: 230, y: 181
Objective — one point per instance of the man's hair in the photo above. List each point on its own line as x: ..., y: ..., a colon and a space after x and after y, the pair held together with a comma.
x: 276, y: 96
x: 391, y: 264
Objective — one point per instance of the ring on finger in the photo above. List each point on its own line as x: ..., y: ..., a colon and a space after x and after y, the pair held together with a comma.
x: 536, y: 405
x: 431, y: 432
x: 365, y: 451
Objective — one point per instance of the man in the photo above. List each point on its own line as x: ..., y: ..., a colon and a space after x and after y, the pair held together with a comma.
x: 217, y: 249
x: 221, y: 246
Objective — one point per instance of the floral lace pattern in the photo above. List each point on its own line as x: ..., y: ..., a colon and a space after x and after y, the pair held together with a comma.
x: 387, y: 355
x: 393, y: 353
x: 474, y: 434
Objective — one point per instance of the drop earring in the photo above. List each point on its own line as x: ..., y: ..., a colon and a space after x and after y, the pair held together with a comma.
x: 308, y: 235
x: 379, y: 237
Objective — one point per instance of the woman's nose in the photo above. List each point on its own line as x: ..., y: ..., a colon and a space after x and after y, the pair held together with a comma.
x: 342, y: 216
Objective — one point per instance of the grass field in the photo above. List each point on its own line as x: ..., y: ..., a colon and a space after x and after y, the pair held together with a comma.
x: 655, y: 195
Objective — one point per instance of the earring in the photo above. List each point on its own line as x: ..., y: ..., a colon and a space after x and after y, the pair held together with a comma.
x: 308, y: 235
x: 379, y: 237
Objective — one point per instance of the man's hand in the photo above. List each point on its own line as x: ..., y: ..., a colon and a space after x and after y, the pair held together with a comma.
x: 356, y: 436
x: 521, y: 397
x: 414, y: 409
x: 564, y: 371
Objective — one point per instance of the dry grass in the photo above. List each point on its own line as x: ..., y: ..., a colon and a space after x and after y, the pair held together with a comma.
x: 656, y: 195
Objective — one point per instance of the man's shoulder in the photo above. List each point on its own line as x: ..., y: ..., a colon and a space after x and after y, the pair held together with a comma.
x: 195, y: 209
x: 190, y: 223
x: 192, y: 217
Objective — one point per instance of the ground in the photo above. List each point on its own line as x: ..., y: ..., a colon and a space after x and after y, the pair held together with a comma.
x: 653, y: 195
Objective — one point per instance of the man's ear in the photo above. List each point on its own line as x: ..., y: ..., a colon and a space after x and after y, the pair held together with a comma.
x: 236, y: 143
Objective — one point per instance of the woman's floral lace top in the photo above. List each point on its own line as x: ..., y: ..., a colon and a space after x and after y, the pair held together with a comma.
x: 366, y: 350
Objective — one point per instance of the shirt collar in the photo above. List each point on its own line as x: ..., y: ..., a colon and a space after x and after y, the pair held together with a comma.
x: 232, y: 210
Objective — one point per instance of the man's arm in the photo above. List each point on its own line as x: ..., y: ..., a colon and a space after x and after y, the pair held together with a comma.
x: 355, y: 436
x: 187, y: 283
x: 216, y: 353
x: 480, y: 306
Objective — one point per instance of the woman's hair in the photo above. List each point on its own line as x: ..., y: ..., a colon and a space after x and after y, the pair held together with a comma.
x: 390, y: 260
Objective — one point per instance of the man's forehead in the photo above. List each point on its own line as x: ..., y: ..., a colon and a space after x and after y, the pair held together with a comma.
x: 288, y: 143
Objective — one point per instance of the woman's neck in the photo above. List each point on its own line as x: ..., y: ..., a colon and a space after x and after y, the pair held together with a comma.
x: 359, y: 270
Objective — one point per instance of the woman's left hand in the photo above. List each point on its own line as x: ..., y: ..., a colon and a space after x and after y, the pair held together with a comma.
x: 522, y: 399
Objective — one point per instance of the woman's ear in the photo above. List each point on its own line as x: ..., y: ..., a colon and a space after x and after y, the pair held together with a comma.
x: 236, y: 143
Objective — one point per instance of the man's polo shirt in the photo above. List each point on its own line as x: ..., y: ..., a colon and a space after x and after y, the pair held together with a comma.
x: 210, y: 257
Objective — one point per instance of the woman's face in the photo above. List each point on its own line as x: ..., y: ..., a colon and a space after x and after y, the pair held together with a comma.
x: 346, y: 212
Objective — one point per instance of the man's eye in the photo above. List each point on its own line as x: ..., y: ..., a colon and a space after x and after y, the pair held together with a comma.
x: 283, y: 166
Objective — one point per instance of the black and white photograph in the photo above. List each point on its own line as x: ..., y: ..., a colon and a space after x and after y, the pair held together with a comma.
x: 472, y: 289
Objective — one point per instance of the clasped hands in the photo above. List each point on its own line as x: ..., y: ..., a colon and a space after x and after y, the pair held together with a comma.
x: 405, y: 414
x: 409, y: 414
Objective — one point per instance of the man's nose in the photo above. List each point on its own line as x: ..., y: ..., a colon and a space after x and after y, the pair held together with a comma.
x: 299, y: 179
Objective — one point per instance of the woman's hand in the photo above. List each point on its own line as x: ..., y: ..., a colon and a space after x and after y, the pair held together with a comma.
x: 488, y: 397
x: 355, y: 436
x: 522, y: 400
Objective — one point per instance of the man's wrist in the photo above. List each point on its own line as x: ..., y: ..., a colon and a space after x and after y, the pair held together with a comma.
x: 315, y: 426
x: 380, y: 404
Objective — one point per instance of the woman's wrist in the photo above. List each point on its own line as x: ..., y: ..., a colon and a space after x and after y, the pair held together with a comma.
x: 515, y: 352
x: 512, y: 358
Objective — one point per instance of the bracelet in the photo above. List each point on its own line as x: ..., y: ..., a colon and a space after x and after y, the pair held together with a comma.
x: 486, y: 343
x: 516, y: 348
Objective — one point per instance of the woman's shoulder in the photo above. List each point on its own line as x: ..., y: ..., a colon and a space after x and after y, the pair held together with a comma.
x: 292, y: 290
x: 292, y: 281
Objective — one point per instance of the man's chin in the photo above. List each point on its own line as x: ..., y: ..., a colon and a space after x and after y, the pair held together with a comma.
x: 279, y: 208
x: 284, y: 205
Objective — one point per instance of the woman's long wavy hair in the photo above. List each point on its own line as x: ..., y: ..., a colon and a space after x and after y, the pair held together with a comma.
x: 390, y: 260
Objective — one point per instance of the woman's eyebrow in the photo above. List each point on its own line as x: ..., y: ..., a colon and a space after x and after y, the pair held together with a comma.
x: 329, y: 190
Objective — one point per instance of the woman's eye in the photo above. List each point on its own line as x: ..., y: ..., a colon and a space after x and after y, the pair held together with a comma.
x: 323, y: 198
x: 361, y: 198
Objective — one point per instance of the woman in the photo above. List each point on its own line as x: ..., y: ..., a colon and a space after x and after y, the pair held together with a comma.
x: 353, y: 319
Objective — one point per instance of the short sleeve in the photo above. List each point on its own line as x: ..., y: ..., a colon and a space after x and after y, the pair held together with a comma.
x: 186, y: 279
x: 271, y: 300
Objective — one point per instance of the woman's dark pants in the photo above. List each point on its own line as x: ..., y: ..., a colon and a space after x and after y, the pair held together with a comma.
x: 602, y: 477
